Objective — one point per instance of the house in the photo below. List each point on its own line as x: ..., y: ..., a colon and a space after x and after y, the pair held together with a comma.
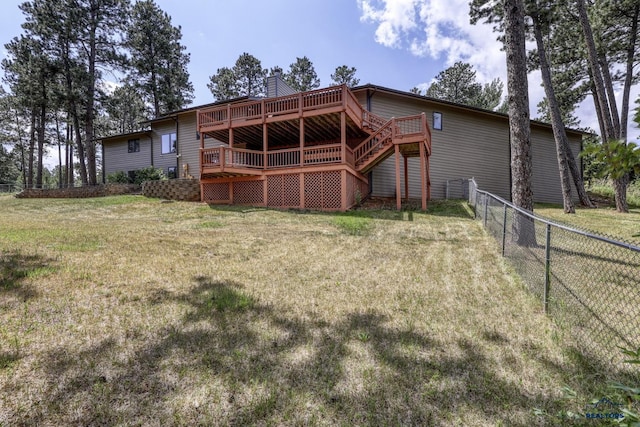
x: 325, y: 149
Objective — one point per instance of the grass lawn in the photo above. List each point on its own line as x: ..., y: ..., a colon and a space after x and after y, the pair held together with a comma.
x: 603, y: 220
x: 131, y: 311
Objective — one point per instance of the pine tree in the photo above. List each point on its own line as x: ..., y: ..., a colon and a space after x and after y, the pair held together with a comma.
x: 249, y: 75
x: 158, y: 58
x: 345, y: 75
x: 519, y: 120
x: 302, y: 75
x: 125, y: 109
x: 458, y: 84
x: 223, y: 85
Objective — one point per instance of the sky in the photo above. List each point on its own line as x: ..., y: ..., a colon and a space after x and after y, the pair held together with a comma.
x: 394, y: 43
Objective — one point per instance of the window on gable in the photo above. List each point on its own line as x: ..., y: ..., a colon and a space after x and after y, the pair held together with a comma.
x: 134, y: 145
x: 169, y: 143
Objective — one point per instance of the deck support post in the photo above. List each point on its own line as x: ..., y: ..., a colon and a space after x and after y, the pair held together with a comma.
x: 301, y: 141
x: 265, y: 190
x: 423, y: 177
x: 230, y: 192
x: 301, y: 190
x: 265, y: 146
x: 406, y: 178
x: 398, y: 186
x: 343, y: 136
x: 343, y: 190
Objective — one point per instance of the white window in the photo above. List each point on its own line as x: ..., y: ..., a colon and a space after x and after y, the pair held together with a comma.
x: 169, y: 143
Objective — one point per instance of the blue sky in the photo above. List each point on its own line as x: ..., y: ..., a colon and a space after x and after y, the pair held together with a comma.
x: 394, y: 43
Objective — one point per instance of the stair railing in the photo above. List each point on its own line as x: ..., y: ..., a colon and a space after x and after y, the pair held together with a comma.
x: 374, y: 142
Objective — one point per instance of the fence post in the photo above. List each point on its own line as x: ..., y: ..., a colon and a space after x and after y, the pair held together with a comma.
x: 486, y: 203
x: 475, y: 203
x: 547, y: 269
x: 504, y: 227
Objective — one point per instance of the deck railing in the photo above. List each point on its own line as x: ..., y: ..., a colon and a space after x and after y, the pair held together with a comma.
x: 403, y: 127
x: 220, y: 157
x: 371, y: 145
x: 394, y: 129
x: 372, y: 121
x: 283, y: 158
x: 272, y: 107
x: 239, y: 157
x: 323, y: 154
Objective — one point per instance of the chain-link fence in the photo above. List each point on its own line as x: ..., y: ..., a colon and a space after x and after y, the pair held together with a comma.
x: 589, y: 283
x: 10, y: 188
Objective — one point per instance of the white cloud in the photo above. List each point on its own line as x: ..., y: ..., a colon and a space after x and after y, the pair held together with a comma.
x: 437, y: 29
x: 394, y: 19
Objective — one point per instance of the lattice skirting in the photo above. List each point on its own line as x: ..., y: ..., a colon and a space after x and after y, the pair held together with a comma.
x: 322, y: 191
x: 215, y: 192
x: 283, y: 191
x: 248, y: 193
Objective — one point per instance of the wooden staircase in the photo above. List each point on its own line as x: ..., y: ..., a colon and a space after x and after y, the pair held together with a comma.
x: 376, y: 148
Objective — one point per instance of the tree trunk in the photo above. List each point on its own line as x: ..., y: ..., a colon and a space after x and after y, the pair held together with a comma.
x: 32, y: 147
x: 90, y: 106
x: 620, y: 190
x: 519, y: 120
x: 628, y: 80
x: 81, y: 155
x: 23, y: 164
x: 576, y: 173
x: 596, y: 73
x: 611, y: 95
x: 557, y: 123
x: 42, y: 124
x: 605, y: 96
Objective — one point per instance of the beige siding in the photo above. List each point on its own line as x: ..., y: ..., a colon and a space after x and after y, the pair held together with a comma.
x: 469, y: 145
x: 117, y: 158
x: 164, y: 161
x: 188, y: 145
x: 546, y: 174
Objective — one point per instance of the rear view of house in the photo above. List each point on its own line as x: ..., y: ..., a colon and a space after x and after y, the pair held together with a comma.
x: 328, y: 148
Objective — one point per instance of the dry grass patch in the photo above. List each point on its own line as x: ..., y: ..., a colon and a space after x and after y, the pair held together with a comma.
x: 126, y: 310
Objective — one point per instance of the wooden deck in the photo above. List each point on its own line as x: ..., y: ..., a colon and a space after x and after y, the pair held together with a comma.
x: 317, y: 129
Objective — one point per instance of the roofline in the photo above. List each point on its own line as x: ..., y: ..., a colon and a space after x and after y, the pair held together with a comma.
x: 456, y: 105
x: 368, y: 86
x: 173, y: 114
x: 124, y: 135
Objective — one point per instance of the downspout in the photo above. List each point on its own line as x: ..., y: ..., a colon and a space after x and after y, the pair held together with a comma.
x: 151, y: 142
x: 369, y: 103
x: 104, y: 165
x: 175, y: 119
x: 510, y: 171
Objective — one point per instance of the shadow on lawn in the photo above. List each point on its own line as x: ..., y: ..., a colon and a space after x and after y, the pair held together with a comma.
x: 16, y: 268
x: 354, y: 371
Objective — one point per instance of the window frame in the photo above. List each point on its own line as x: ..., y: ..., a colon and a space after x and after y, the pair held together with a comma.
x: 437, y: 120
x: 133, y: 145
x: 172, y: 141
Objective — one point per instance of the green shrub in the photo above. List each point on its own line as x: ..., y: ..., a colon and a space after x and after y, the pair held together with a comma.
x: 119, y: 177
x: 148, y: 174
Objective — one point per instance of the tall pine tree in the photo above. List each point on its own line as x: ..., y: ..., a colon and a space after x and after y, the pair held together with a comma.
x: 158, y: 59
